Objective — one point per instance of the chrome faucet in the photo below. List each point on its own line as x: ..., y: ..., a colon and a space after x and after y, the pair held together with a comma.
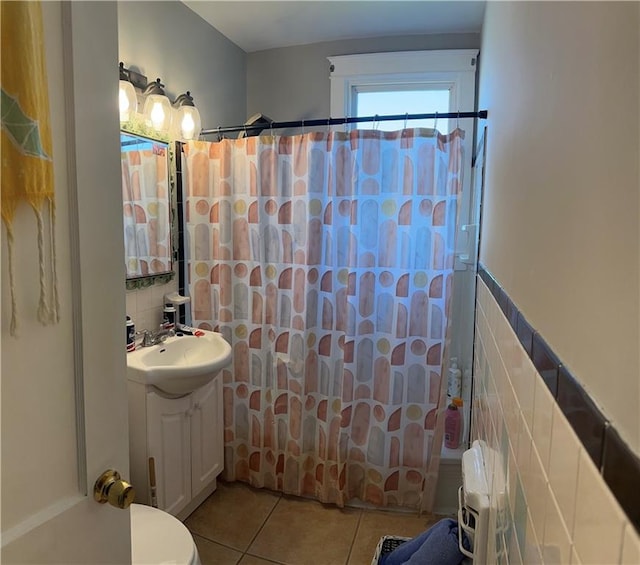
x: 150, y: 338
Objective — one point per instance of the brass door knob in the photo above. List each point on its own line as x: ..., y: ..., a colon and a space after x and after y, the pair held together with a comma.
x: 112, y: 489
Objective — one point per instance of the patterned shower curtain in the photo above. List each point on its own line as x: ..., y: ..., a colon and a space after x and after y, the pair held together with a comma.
x: 145, y: 210
x: 326, y: 260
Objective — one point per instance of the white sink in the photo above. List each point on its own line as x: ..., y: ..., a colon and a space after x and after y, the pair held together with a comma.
x: 181, y: 364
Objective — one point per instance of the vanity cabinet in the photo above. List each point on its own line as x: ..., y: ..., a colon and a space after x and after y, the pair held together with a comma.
x: 184, y: 436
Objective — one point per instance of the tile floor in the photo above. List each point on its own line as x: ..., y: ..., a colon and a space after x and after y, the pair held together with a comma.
x: 240, y: 525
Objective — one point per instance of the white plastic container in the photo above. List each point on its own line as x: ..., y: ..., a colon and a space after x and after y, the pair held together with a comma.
x: 454, y: 380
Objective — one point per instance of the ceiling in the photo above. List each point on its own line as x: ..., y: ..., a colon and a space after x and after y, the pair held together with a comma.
x: 259, y: 25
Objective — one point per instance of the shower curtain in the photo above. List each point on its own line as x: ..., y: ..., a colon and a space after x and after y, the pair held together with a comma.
x: 326, y: 260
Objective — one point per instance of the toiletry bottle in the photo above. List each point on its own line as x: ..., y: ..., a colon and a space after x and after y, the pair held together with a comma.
x: 131, y: 334
x: 460, y: 403
x: 452, y: 424
x: 454, y: 381
x: 169, y: 317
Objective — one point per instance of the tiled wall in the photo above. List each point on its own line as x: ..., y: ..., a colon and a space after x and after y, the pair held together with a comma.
x: 145, y: 305
x: 566, y: 469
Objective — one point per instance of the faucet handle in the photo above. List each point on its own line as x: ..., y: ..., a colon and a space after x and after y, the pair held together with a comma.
x: 147, y: 339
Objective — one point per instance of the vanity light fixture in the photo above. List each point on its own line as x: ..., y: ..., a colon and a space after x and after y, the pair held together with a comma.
x: 157, y: 108
x: 128, y: 101
x: 187, y: 122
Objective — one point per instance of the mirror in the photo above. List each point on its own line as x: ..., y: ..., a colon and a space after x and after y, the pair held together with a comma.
x: 146, y: 207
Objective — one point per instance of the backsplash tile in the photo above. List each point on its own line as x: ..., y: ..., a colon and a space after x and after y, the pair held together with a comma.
x: 516, y: 380
x: 621, y: 470
x: 524, y: 332
x: 583, y: 415
x: 145, y: 305
x: 546, y: 363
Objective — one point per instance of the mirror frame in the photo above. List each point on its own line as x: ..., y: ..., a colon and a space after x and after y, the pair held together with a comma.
x: 138, y: 127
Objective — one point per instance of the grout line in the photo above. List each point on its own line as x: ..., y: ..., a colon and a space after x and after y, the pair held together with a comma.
x: 215, y: 541
x: 264, y: 523
x: 355, y: 534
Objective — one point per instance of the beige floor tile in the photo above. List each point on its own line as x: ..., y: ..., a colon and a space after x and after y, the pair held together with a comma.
x: 232, y: 515
x: 253, y: 560
x: 212, y: 553
x: 305, y: 532
x: 375, y: 524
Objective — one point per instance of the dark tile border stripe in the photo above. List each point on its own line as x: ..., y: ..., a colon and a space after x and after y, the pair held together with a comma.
x: 618, y: 464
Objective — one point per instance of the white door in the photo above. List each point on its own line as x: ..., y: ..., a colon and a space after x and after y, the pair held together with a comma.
x: 207, y: 455
x: 64, y: 409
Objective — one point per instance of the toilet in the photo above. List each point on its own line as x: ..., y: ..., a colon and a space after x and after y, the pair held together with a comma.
x: 158, y: 538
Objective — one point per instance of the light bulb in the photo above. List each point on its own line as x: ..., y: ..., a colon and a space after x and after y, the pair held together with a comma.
x: 127, y: 101
x: 124, y: 102
x: 157, y: 116
x: 188, y: 126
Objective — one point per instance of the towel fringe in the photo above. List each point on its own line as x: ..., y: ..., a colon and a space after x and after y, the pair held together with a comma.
x: 44, y: 313
x: 55, y: 301
x: 13, y: 325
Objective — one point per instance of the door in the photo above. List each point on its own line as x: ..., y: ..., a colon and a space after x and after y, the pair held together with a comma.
x: 64, y: 409
x: 168, y: 428
x: 207, y: 455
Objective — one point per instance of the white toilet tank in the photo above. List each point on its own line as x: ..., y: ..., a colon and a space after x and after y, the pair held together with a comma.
x: 158, y: 537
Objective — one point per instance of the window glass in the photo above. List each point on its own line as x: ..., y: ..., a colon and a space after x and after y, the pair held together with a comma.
x: 388, y: 101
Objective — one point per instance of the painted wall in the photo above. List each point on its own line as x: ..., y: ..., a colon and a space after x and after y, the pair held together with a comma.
x: 560, y: 224
x: 292, y: 83
x: 168, y: 40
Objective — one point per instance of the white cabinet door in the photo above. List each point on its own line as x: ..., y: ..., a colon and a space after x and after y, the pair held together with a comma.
x: 168, y: 425
x: 206, y: 435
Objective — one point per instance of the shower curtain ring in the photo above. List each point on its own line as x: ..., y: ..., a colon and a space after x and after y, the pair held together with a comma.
x: 375, y: 122
x: 435, y: 122
x: 458, y: 120
x: 303, y: 132
x: 406, y: 117
x: 328, y: 125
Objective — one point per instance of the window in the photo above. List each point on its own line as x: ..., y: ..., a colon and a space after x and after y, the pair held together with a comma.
x: 404, y: 82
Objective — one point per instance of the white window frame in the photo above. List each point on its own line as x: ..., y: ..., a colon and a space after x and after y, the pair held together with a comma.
x: 453, y: 69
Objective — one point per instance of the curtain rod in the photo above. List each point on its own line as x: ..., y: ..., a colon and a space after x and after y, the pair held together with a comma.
x: 338, y: 121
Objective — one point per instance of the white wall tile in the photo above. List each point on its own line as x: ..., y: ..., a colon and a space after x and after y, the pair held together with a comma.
x: 543, y: 405
x: 575, y: 560
x: 131, y: 303
x: 144, y: 299
x: 599, y: 520
x: 531, y: 554
x: 537, y: 493
x: 563, y: 465
x: 523, y: 451
x: 630, y: 546
x: 556, y: 543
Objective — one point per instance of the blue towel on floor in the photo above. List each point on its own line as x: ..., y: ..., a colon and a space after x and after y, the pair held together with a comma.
x: 437, y: 546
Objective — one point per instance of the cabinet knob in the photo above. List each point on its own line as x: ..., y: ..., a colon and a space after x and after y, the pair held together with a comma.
x: 112, y: 489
